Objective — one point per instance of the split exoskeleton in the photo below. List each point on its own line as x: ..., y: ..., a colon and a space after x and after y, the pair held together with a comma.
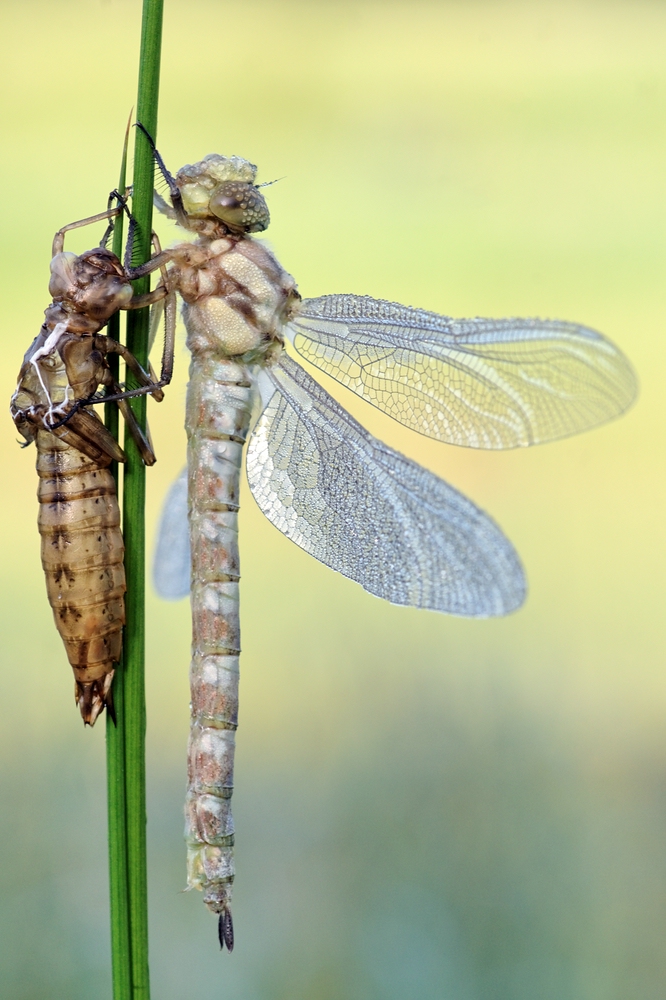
x: 79, y: 518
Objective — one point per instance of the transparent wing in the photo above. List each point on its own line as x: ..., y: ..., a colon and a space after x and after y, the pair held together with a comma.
x: 483, y: 383
x: 171, y: 565
x: 370, y: 513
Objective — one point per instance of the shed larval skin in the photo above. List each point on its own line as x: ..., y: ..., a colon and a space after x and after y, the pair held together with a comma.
x: 79, y: 518
x: 79, y: 523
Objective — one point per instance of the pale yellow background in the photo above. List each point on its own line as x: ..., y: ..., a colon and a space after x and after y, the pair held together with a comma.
x: 426, y: 807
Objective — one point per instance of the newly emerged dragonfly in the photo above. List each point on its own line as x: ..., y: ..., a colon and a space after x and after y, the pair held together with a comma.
x: 79, y: 518
x: 325, y: 482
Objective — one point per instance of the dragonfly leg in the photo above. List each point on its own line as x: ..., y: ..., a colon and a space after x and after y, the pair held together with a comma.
x: 166, y: 372
x: 159, y: 260
x: 110, y: 346
x: 86, y: 433
x: 111, y: 213
x: 149, y: 299
x: 163, y: 293
x: 142, y: 441
x: 122, y: 204
x: 83, y: 431
x: 169, y: 320
x: 174, y: 190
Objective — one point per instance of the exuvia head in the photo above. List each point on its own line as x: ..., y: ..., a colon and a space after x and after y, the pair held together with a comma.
x: 93, y: 283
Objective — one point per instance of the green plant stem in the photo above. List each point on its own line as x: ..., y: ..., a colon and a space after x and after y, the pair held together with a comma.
x: 134, y: 495
x: 115, y: 732
x: 121, y: 958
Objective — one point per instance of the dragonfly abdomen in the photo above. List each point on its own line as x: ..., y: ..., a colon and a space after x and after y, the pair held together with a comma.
x: 219, y: 405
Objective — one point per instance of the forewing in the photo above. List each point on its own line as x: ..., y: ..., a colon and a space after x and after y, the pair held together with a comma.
x: 483, y: 383
x: 171, y: 565
x: 370, y: 513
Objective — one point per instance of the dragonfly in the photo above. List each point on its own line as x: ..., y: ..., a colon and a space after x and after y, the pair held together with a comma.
x: 79, y: 518
x: 343, y: 496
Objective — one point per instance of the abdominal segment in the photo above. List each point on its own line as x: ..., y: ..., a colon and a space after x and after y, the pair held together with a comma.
x: 82, y: 556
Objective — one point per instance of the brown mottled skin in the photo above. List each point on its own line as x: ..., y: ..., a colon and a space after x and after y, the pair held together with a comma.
x: 79, y: 518
x: 82, y: 556
x: 79, y: 522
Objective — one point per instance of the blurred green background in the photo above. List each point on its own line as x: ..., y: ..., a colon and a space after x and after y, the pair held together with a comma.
x: 426, y: 807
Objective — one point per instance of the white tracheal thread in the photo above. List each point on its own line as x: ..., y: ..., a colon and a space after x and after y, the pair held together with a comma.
x: 219, y: 404
x: 47, y: 348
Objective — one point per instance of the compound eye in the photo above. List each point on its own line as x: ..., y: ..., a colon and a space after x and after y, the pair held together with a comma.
x: 241, y: 207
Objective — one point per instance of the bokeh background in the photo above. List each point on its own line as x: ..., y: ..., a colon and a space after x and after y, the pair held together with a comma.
x: 426, y: 807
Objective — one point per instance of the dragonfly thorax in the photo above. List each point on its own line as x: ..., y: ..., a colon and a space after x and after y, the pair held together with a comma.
x: 237, y: 298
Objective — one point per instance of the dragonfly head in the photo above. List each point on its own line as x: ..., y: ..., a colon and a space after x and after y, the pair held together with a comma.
x: 222, y: 187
